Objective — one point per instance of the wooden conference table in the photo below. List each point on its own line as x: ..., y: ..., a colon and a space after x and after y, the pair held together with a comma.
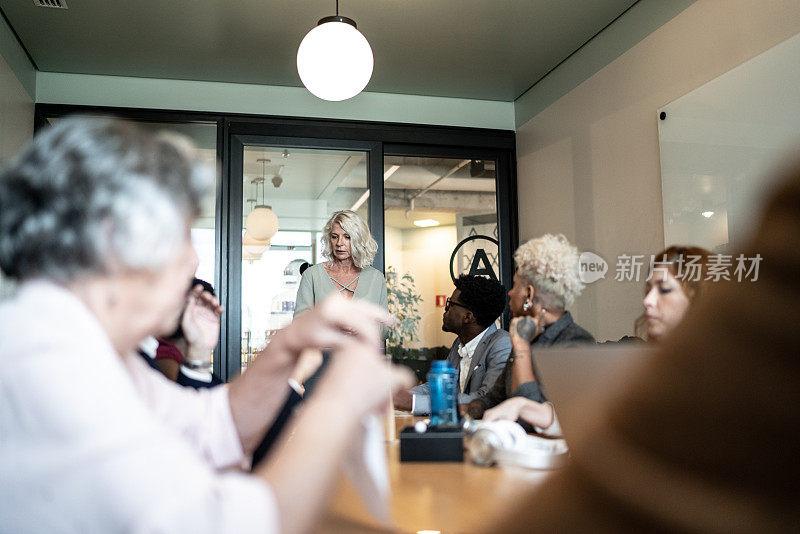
x: 431, y: 496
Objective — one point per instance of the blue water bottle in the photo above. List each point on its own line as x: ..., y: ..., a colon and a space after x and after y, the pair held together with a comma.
x: 443, y: 380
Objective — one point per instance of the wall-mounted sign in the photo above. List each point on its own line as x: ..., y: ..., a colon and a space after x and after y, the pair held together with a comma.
x: 475, y: 255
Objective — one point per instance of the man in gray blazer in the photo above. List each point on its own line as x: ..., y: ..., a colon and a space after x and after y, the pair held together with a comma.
x: 480, y: 351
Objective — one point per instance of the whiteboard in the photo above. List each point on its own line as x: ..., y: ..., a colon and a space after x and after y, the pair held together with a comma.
x: 722, y: 146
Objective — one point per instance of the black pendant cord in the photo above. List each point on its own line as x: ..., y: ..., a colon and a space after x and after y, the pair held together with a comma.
x: 337, y: 18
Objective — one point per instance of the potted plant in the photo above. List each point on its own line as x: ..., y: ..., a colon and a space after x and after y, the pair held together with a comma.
x: 404, y: 303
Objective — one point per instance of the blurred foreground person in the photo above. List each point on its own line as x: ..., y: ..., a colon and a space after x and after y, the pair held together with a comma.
x: 94, y: 224
x: 705, y: 437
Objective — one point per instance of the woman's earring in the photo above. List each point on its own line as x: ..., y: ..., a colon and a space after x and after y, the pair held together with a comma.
x: 526, y: 305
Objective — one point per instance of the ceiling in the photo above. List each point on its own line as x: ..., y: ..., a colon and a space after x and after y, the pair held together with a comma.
x: 492, y: 50
x: 315, y: 182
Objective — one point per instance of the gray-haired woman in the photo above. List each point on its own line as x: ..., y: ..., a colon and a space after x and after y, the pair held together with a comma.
x: 350, y: 249
x: 94, y: 224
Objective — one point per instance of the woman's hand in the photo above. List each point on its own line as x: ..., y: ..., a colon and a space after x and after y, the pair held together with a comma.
x: 333, y: 323
x: 360, y: 380
x: 508, y: 410
x: 306, y: 366
x: 532, y: 412
x: 520, y: 345
x: 200, y: 324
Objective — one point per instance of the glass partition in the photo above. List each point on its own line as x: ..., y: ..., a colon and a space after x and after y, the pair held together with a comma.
x: 440, y: 221
x: 298, y: 190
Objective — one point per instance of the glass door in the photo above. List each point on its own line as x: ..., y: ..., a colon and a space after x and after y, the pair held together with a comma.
x: 285, y: 191
x: 441, y: 222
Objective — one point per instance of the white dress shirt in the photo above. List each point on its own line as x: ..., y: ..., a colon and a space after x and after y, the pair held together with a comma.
x: 466, y: 352
x: 93, y: 442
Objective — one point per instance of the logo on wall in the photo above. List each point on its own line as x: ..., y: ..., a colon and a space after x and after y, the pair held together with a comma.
x: 475, y: 255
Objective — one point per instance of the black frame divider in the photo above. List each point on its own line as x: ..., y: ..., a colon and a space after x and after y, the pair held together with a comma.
x: 235, y: 130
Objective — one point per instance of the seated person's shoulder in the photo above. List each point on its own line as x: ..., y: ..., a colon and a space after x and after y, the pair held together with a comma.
x: 577, y: 335
x: 501, y: 337
x: 314, y: 269
x: 501, y: 334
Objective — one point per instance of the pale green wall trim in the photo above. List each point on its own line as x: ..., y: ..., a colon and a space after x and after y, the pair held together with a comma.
x: 17, y: 59
x: 63, y: 88
x: 638, y: 22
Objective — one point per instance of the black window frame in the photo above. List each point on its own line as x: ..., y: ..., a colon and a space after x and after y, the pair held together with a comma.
x: 380, y: 138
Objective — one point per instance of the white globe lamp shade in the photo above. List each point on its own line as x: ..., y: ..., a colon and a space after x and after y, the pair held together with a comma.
x: 253, y: 249
x: 334, y: 60
x: 253, y: 252
x: 262, y: 223
x: 249, y: 240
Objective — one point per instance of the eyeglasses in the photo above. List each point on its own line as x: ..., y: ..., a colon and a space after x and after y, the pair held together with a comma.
x: 450, y: 302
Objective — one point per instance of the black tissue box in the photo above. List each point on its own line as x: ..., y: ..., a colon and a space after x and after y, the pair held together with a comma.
x: 434, y: 445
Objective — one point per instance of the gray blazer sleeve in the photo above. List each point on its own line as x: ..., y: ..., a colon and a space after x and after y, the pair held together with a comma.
x: 422, y: 400
x: 497, y: 354
x: 423, y: 389
x: 305, y: 293
x: 422, y: 404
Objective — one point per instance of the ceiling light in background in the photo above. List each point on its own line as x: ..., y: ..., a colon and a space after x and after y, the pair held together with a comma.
x: 363, y: 198
x: 262, y: 223
x: 425, y: 223
x: 707, y: 214
x: 334, y: 59
x: 277, y: 180
x: 254, y: 246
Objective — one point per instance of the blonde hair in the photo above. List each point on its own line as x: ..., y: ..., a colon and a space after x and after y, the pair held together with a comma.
x: 551, y: 265
x: 362, y: 246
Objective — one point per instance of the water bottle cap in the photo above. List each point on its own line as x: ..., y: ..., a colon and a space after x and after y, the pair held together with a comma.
x: 440, y: 365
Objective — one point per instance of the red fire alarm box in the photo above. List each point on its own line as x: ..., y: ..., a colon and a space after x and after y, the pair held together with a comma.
x: 441, y: 300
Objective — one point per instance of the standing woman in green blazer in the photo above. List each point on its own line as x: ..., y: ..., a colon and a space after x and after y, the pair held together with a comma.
x: 349, y: 248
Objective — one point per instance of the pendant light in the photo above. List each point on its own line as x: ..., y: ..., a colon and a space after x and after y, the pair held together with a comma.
x: 334, y: 59
x: 253, y: 249
x: 262, y: 223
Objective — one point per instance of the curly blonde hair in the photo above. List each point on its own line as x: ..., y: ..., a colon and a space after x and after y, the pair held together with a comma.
x: 551, y: 265
x: 362, y: 245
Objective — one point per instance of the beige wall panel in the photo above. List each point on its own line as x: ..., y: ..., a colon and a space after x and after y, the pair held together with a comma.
x: 588, y: 165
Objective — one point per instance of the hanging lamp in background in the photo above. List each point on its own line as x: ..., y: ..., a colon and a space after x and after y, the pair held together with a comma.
x: 253, y: 249
x: 261, y: 223
x: 334, y: 59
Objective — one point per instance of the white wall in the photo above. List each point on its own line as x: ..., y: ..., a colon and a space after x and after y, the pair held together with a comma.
x: 588, y: 165
x: 121, y: 91
x: 16, y: 113
x: 424, y: 253
x: 16, y: 123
